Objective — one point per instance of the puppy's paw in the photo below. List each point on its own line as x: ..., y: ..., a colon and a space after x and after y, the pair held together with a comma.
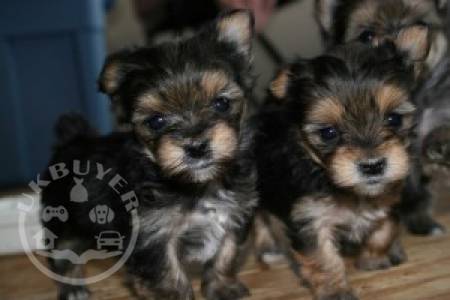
x: 373, y: 263
x: 218, y: 290
x: 72, y: 292
x: 397, y: 255
x: 170, y: 295
x: 438, y: 230
x: 344, y: 295
x: 425, y: 225
x: 271, y: 258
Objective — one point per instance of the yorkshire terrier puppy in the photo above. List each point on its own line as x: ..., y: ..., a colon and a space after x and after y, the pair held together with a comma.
x: 187, y: 162
x: 332, y: 153
x: 376, y: 21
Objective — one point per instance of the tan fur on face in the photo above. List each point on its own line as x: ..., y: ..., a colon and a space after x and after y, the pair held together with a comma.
x: 398, y: 160
x: 376, y: 14
x: 213, y: 82
x: 217, y: 84
x: 389, y: 97
x: 187, y: 93
x: 326, y: 111
x: 414, y: 40
x: 279, y: 86
x: 344, y: 165
x: 223, y: 141
x: 148, y: 103
x: 365, y: 11
x: 170, y: 156
x: 363, y: 18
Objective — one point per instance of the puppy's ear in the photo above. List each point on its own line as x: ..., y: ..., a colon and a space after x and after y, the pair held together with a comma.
x: 414, y: 43
x: 117, y: 66
x: 237, y: 27
x: 279, y: 86
x: 324, y: 12
x: 292, y: 76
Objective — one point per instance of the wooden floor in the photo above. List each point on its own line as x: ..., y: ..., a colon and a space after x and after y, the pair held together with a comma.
x: 426, y: 276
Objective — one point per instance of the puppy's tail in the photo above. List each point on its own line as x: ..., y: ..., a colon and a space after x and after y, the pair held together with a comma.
x: 70, y: 127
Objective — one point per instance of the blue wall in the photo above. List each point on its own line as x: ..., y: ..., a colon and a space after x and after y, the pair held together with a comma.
x: 51, y: 52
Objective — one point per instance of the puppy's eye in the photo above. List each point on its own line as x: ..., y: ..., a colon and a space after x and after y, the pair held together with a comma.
x: 221, y: 104
x: 421, y: 23
x: 328, y: 134
x: 394, y: 120
x: 156, y: 122
x: 367, y: 36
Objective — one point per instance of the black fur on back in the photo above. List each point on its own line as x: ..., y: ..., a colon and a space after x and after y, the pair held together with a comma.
x: 72, y: 126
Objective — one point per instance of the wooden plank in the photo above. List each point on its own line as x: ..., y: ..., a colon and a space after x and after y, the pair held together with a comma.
x: 426, y: 276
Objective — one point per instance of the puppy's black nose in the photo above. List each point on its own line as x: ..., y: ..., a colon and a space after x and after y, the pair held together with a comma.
x: 198, y: 150
x: 373, y: 167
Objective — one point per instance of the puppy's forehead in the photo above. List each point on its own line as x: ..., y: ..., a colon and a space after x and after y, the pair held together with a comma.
x: 388, y: 97
x: 357, y: 102
x: 188, y: 89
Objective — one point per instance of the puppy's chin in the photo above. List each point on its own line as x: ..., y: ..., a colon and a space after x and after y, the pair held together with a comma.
x: 199, y: 172
x: 371, y: 189
x: 205, y: 174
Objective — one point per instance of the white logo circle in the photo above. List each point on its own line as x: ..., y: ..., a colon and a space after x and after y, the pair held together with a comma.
x: 99, y: 215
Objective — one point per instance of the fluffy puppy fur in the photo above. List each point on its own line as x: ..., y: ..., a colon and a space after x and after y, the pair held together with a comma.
x: 170, y: 57
x: 187, y: 161
x: 437, y: 151
x: 332, y: 155
x: 375, y: 21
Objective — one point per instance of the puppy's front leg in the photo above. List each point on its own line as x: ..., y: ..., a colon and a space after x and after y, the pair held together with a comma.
x: 220, y: 280
x: 323, y: 269
x: 382, y: 249
x: 157, y: 274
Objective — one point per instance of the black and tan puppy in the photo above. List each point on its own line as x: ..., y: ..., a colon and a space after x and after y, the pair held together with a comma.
x: 186, y: 161
x: 377, y: 21
x: 332, y: 156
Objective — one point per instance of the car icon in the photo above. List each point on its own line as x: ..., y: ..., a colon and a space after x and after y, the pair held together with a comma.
x: 109, y: 238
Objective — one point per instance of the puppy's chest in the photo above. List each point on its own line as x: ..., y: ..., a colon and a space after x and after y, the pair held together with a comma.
x: 203, y: 229
x: 357, y: 224
x: 199, y: 229
x: 348, y: 223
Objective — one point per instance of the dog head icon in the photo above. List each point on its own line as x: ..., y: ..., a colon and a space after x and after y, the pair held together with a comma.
x: 101, y: 214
